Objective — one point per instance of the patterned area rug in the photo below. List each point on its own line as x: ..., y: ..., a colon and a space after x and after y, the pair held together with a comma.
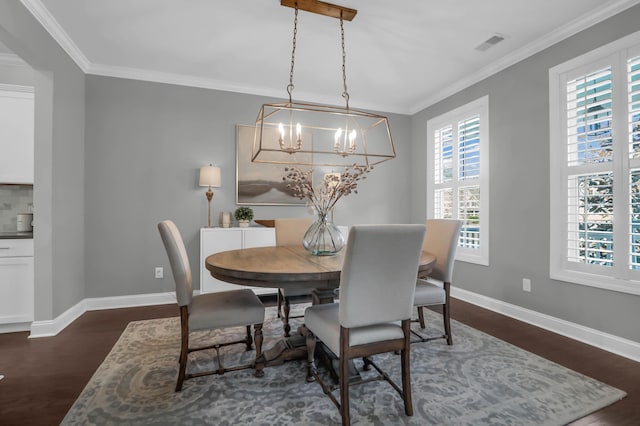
x: 480, y: 380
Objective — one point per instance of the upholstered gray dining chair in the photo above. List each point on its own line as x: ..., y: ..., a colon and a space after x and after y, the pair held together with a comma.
x: 290, y: 232
x: 441, y: 240
x: 209, y: 311
x: 373, y: 316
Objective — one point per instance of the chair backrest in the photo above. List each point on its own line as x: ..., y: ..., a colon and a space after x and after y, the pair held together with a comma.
x: 179, y: 261
x: 379, y: 273
x: 441, y: 240
x: 290, y: 231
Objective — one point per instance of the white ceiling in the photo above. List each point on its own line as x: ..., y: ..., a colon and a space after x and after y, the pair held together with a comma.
x: 402, y: 55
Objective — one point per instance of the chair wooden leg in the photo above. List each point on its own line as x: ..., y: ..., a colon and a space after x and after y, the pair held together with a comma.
x: 184, y: 346
x: 279, y: 303
x: 285, y: 322
x: 344, y: 376
x: 446, y: 314
x: 421, y: 316
x: 366, y: 363
x: 249, y: 340
x: 258, y: 339
x: 406, y: 369
x: 447, y: 323
x: 311, y: 350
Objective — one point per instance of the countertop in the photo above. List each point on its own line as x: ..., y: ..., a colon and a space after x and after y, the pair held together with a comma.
x: 15, y: 235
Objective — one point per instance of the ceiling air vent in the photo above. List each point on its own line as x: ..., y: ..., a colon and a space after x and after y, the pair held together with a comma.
x: 490, y: 42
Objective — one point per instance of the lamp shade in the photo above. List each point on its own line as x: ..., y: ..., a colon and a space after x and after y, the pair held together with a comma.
x: 210, y: 176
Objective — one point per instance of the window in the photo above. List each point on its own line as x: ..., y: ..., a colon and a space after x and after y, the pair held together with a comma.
x: 458, y: 175
x: 595, y: 166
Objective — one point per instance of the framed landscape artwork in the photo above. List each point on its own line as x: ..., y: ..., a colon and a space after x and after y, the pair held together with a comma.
x: 260, y: 183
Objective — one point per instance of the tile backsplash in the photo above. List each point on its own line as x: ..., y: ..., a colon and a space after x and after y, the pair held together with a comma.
x: 14, y: 199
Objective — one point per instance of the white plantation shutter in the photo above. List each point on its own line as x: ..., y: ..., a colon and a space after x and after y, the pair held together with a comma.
x: 590, y: 149
x: 590, y: 220
x: 633, y: 74
x: 443, y: 203
x: 469, y: 148
x: 443, y: 155
x: 595, y: 163
x: 589, y: 118
x: 633, y: 106
x: 458, y: 180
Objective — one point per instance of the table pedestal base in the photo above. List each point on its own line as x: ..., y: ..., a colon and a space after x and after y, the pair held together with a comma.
x: 322, y: 296
x: 286, y: 349
x: 295, y: 347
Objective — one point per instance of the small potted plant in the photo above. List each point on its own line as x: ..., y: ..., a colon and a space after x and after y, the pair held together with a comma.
x: 243, y: 215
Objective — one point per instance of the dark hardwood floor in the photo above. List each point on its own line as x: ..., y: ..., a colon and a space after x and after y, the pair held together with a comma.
x: 44, y: 376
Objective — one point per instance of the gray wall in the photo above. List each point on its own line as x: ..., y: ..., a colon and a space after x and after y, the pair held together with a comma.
x: 21, y: 75
x: 519, y: 188
x: 59, y: 163
x: 144, y: 145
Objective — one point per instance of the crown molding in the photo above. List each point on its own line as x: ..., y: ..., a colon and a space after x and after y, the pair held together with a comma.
x: 40, y: 12
x: 178, y: 79
x: 213, y: 84
x: 11, y: 59
x: 42, y: 15
x: 604, y: 12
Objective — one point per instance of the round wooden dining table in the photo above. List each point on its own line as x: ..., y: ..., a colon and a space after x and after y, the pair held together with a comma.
x: 282, y: 267
x: 287, y: 267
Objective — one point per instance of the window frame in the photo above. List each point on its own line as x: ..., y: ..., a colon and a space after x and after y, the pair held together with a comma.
x: 479, y: 107
x: 618, y: 277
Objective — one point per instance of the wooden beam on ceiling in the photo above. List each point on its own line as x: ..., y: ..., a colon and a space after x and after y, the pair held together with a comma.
x: 321, y: 8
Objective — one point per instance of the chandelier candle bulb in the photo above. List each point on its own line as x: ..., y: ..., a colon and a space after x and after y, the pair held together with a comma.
x: 281, y: 130
x: 352, y: 140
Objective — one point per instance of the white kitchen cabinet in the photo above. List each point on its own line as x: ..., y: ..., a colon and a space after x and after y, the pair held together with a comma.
x: 214, y: 240
x: 16, y: 134
x: 16, y: 281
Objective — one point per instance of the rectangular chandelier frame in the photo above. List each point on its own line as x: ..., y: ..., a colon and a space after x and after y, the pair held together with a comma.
x: 374, y: 145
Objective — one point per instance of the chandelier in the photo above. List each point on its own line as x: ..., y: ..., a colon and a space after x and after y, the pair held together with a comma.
x: 320, y: 135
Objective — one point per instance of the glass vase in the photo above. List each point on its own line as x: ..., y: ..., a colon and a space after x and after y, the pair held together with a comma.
x: 323, y: 238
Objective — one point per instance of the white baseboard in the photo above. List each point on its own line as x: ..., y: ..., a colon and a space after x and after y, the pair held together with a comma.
x: 55, y: 326
x: 608, y: 342
x: 52, y: 327
x: 14, y: 327
x: 98, y: 303
x: 618, y: 345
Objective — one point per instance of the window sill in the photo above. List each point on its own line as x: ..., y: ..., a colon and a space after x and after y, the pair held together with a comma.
x: 598, y: 281
x: 472, y: 258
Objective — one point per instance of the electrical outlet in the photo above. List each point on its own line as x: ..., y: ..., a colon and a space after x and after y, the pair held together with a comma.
x: 159, y: 272
x: 526, y: 284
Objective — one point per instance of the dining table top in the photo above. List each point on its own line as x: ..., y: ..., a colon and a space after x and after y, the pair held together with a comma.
x: 285, y: 266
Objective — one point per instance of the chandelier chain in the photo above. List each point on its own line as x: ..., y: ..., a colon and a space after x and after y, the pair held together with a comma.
x: 290, y: 87
x: 345, y: 94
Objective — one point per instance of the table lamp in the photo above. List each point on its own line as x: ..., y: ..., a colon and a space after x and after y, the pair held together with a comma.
x: 209, y: 176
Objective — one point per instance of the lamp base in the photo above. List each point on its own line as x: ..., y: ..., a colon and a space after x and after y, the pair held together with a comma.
x: 209, y: 195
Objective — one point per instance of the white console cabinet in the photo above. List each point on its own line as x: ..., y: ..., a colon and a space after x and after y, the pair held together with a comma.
x: 214, y: 240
